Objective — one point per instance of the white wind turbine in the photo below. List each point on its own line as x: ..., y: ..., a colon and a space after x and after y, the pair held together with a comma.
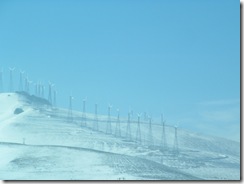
x: 128, y: 132
x: 70, y: 112
x: 138, y: 132
x: 21, y: 80
x: 50, y: 85
x: 1, y: 80
x: 29, y: 82
x: 176, y: 146
x: 84, y: 111
x: 54, y: 97
x: 131, y: 112
x: 39, y: 89
x: 117, y: 130
x: 11, y: 83
x: 163, y: 138
x: 35, y: 85
x: 42, y: 91
x: 108, y: 129
x: 26, y: 83
x: 150, y: 135
x: 95, y: 124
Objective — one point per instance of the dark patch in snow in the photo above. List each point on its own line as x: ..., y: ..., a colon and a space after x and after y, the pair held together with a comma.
x: 18, y: 110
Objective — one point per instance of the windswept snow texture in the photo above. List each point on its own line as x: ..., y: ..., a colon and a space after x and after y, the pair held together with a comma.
x: 43, y: 143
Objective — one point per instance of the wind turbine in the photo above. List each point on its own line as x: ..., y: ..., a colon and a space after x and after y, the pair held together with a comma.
x: 130, y: 111
x: 109, y: 130
x: 150, y: 136
x: 42, y: 90
x: 138, y: 132
x: 36, y: 88
x: 176, y: 147
x: 84, y: 111
x: 1, y: 80
x: 117, y: 130
x: 95, y: 123
x: 145, y: 116
x: 54, y: 97
x: 70, y: 113
x: 26, y: 83
x: 21, y: 80
x: 128, y: 132
x: 11, y: 83
x: 39, y: 89
x: 163, y: 140
x: 50, y: 85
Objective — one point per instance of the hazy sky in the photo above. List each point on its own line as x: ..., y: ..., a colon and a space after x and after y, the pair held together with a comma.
x: 179, y: 57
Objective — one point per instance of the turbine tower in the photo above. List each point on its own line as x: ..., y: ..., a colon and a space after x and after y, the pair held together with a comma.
x: 26, y: 84
x: 163, y: 139
x: 50, y: 92
x: 131, y: 112
x: 21, y: 80
x: 39, y: 89
x: 1, y: 80
x: 36, y: 93
x: 145, y: 116
x: 84, y: 111
x: 176, y: 148
x: 42, y: 90
x: 138, y: 132
x: 150, y: 136
x: 70, y: 113
x: 117, y: 130
x: 11, y: 83
x: 128, y: 132
x: 109, y: 130
x: 54, y: 98
x: 95, y: 123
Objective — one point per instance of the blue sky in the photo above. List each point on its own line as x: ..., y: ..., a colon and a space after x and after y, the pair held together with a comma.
x: 181, y: 58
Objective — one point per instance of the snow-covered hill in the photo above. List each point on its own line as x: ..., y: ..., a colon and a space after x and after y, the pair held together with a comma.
x: 38, y: 141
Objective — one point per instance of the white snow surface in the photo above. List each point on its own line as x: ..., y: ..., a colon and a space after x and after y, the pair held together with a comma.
x: 42, y: 143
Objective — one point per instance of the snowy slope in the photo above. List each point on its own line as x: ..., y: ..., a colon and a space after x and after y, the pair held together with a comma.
x: 43, y: 143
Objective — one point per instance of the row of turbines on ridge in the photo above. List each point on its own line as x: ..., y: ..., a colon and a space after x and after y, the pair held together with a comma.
x: 39, y: 88
x: 25, y: 85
